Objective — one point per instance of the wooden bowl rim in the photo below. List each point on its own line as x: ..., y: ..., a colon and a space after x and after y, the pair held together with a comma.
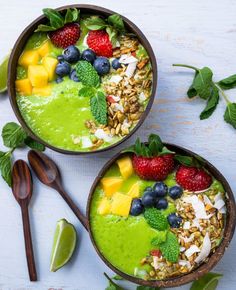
x: 213, y: 259
x: 16, y: 51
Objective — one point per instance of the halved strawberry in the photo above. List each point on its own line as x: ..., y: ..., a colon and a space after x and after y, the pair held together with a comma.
x: 153, y: 161
x: 192, y: 178
x: 99, y: 42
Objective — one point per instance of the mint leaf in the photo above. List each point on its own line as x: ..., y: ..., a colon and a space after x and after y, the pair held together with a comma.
x: 203, y: 83
x: 44, y: 28
x: 87, y: 92
x: 160, y: 238
x: 33, y: 144
x: 208, y: 282
x: 5, y: 166
x: 192, y: 91
x: 147, y: 288
x: 117, y: 22
x: 185, y: 160
x: 117, y: 277
x: 95, y: 23
x: 211, y: 104
x: 230, y: 114
x: 112, y: 285
x: 54, y: 17
x: 13, y: 135
x: 112, y: 32
x: 228, y: 83
x: 72, y: 15
x: 98, y: 106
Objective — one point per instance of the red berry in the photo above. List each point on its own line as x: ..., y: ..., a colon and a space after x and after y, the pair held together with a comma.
x: 99, y: 42
x: 193, y: 178
x: 65, y: 36
x: 155, y: 253
x: 153, y: 168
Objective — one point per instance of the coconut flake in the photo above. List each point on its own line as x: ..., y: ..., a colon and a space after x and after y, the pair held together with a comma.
x: 86, y: 142
x: 207, y: 200
x: 196, y: 224
x: 127, y: 59
x: 219, y: 204
x: 142, y: 97
x: 101, y: 134
x: 185, y: 263
x: 118, y: 107
x: 186, y: 226
x: 222, y: 210
x: 205, y: 250
x: 85, y: 41
x: 192, y: 250
x: 182, y: 249
x: 115, y: 79
x: 188, y: 240
x: 155, y: 262
x: 130, y: 69
x: 197, y: 205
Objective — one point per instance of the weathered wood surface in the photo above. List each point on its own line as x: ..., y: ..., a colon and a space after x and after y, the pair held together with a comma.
x: 185, y: 31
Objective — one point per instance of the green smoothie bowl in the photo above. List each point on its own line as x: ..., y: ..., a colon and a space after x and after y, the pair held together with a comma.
x: 160, y: 215
x: 81, y: 79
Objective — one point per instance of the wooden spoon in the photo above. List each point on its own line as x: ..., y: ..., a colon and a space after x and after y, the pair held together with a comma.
x: 48, y: 173
x: 22, y: 190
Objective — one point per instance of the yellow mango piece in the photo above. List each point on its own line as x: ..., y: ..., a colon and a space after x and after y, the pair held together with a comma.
x: 24, y: 87
x: 44, y: 49
x: 38, y: 75
x: 104, y: 206
x: 125, y: 166
x: 121, y: 204
x: 29, y: 57
x: 134, y: 190
x: 42, y: 91
x: 50, y: 64
x: 111, y: 184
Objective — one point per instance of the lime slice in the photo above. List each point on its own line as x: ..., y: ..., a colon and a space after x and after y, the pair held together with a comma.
x: 208, y: 282
x: 63, y: 244
x: 3, y: 74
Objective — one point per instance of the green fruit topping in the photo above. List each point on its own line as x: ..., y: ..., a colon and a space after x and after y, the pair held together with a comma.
x: 87, y: 74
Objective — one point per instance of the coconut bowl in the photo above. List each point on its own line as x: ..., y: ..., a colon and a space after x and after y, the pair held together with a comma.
x: 19, y: 46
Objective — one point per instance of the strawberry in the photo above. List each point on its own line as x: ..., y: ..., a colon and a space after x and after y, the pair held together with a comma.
x: 99, y: 42
x: 152, y: 161
x: 153, y: 168
x: 63, y: 28
x: 65, y: 36
x: 155, y: 253
x: 192, y: 178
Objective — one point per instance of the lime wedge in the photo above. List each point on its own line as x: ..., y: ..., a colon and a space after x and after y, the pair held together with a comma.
x: 3, y: 74
x: 63, y: 244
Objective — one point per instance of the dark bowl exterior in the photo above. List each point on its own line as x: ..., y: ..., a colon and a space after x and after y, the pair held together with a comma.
x: 203, y: 268
x: 19, y: 46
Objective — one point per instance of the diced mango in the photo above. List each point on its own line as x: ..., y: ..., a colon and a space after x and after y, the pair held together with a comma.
x: 24, y: 87
x: 42, y: 91
x: 29, y: 57
x: 111, y: 184
x: 134, y: 191
x: 50, y: 64
x: 121, y: 204
x: 125, y: 166
x: 38, y: 75
x: 104, y: 206
x: 44, y: 49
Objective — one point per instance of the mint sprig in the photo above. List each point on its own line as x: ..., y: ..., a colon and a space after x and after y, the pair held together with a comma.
x: 98, y: 106
x: 57, y: 20
x: 207, y: 89
x: 14, y: 137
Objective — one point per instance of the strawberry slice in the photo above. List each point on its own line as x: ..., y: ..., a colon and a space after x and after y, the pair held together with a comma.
x: 99, y: 42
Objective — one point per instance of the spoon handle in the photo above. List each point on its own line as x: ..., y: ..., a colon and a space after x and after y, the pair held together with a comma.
x: 28, y: 243
x: 74, y: 207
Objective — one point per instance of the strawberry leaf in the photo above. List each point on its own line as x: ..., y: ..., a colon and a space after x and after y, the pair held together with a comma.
x: 72, y: 15
x: 95, y: 23
x: 54, y: 17
x: 117, y: 22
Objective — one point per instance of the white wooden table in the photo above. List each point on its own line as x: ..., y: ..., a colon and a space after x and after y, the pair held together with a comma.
x: 180, y: 31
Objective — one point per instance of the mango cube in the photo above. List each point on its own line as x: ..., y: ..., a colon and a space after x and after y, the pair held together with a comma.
x: 38, y: 75
x: 104, y: 206
x: 121, y: 204
x: 44, y: 49
x: 42, y: 91
x: 134, y: 191
x: 111, y: 185
x: 29, y: 57
x: 24, y: 87
x: 125, y: 166
x: 50, y: 64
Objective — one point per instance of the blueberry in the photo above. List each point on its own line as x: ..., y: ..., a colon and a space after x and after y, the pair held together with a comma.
x: 102, y: 65
x: 162, y: 203
x: 60, y: 58
x: 116, y: 64
x: 136, y: 207
x: 89, y: 55
x: 148, y: 199
x: 62, y: 69
x: 175, y: 192
x: 59, y: 80
x: 71, y: 54
x: 73, y: 76
x: 174, y: 220
x: 160, y: 189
